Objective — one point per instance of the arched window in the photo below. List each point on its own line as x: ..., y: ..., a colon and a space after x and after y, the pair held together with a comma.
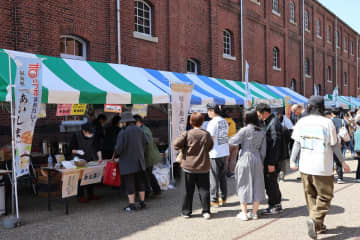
x: 318, y: 28
x: 318, y: 87
x: 345, y: 44
x: 275, y: 6
x: 307, y: 67
x: 72, y: 47
x: 192, y: 66
x: 329, y: 34
x: 329, y: 74
x: 345, y: 79
x: 306, y: 20
x: 293, y: 84
x: 276, y: 58
x: 351, y: 48
x: 143, y: 17
x: 227, y: 36
x: 292, y: 12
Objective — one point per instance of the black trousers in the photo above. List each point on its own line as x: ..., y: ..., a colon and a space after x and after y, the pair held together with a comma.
x: 87, y: 189
x: 134, y: 182
x: 272, y: 188
x: 202, y: 182
x: 358, y: 170
x: 152, y: 184
x: 339, y: 168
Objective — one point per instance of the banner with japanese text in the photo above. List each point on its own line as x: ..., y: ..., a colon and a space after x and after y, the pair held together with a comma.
x: 288, y: 106
x: 28, y: 86
x: 180, y: 104
x: 248, y: 101
x: 114, y: 108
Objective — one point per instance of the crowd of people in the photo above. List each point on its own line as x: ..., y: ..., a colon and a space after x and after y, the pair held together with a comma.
x: 312, y: 141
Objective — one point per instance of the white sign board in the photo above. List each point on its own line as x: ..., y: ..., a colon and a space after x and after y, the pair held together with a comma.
x: 274, y: 103
x: 92, y: 175
x: 70, y: 184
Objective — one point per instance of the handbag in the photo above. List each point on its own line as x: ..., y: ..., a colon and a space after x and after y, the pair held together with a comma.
x: 181, y: 155
x: 112, y: 174
x: 343, y: 133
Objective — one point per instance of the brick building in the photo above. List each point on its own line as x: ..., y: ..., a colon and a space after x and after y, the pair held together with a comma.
x: 202, y: 36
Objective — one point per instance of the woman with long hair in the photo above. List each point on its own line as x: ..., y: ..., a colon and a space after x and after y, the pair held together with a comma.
x: 249, y: 170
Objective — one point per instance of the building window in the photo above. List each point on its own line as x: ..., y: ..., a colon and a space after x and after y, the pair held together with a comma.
x: 337, y: 39
x: 329, y: 34
x: 329, y: 74
x: 351, y: 48
x: 227, y: 42
x: 307, y: 67
x: 142, y: 17
x: 306, y: 20
x: 292, y: 12
x: 192, y: 66
x: 345, y: 44
x: 345, y: 79
x: 293, y: 84
x: 72, y: 47
x: 318, y: 28
x: 318, y: 88
x: 276, y: 58
x: 275, y: 6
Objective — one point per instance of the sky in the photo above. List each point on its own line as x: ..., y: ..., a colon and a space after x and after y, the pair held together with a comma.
x: 347, y: 10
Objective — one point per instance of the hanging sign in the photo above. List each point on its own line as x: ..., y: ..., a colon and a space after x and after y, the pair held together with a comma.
x: 248, y: 100
x: 78, y: 109
x: 28, y: 86
x: 113, y: 108
x: 42, y: 113
x: 92, y: 175
x: 180, y: 104
x: 70, y: 184
x: 63, y: 110
x: 274, y: 103
x: 140, y: 109
x: 288, y: 106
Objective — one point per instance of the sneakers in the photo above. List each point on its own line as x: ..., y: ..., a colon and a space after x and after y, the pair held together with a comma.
x: 281, y: 176
x: 252, y: 216
x: 222, y: 202
x: 186, y: 216
x: 311, y: 228
x: 277, y: 209
x: 130, y: 208
x: 206, y: 216
x: 242, y: 216
x: 214, y: 204
x: 340, y: 181
x: 142, y: 205
x: 322, y: 230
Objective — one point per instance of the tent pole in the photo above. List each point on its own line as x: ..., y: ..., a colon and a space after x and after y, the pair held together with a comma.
x: 14, y: 187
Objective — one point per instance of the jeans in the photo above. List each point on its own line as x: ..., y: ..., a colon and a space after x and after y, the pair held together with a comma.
x: 339, y: 169
x: 202, y: 182
x: 218, y: 185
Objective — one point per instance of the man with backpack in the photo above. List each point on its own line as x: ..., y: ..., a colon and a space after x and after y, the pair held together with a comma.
x: 273, y: 131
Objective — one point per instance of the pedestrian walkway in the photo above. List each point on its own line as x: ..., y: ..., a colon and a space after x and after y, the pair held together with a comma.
x: 105, y: 219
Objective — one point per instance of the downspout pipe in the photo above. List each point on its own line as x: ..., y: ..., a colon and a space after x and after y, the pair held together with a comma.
x: 336, y: 51
x: 357, y: 61
x: 118, y: 30
x: 303, y: 47
x: 242, y: 39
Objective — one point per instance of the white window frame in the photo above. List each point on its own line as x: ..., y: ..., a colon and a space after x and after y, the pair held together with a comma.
x: 70, y: 56
x: 276, y: 59
x: 292, y: 12
x: 196, y: 64
x: 150, y: 18
x: 306, y: 20
x: 351, y: 48
x: 318, y: 28
x: 307, y: 68
x: 345, y: 79
x: 228, y: 35
x: 329, y: 74
x: 293, y: 84
x: 329, y: 34
x: 275, y: 7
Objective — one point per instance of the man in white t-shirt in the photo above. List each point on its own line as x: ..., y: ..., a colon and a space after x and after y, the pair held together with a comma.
x: 316, y: 140
x: 218, y: 129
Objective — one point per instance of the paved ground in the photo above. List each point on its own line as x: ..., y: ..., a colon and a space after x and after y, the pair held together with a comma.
x: 105, y: 219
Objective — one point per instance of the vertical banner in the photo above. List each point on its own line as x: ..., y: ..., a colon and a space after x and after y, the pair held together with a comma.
x: 70, y: 184
x: 180, y: 103
x: 28, y: 86
x: 248, y: 100
x: 288, y: 106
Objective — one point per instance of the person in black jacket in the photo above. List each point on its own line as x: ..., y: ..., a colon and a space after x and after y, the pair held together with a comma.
x: 273, y: 130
